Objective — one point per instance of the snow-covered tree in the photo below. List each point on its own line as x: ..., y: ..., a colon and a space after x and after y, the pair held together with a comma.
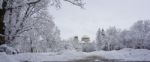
x: 20, y: 21
x: 136, y: 37
x: 140, y: 29
x: 147, y: 41
x: 108, y: 40
x: 44, y: 37
x: 126, y: 39
x: 74, y: 43
x: 113, y: 38
x: 17, y: 15
x: 101, y: 40
x: 1, y: 22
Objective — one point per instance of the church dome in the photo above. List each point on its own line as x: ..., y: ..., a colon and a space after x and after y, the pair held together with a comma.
x: 85, y: 38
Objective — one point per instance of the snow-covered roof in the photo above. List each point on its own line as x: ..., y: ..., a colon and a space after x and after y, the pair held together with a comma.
x: 85, y: 36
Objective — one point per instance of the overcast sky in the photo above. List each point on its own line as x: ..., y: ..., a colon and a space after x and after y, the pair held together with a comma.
x: 73, y: 20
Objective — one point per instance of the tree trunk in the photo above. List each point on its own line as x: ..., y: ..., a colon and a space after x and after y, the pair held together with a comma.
x: 2, y: 13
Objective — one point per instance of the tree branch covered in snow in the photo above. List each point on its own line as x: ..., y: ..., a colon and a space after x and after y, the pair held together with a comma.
x: 25, y: 20
x: 76, y: 2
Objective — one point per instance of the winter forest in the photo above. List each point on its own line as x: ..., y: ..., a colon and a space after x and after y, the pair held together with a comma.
x: 28, y: 33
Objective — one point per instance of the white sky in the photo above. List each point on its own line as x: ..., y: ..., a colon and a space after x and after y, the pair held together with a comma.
x: 73, y: 20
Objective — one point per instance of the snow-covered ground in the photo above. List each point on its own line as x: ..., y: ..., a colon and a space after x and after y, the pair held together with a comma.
x: 67, y: 55
x: 126, y: 54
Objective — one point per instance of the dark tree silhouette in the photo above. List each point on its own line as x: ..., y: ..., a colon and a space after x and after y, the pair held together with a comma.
x: 2, y: 12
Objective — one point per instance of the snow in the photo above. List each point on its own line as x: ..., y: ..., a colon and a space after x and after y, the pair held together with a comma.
x: 126, y: 54
x: 5, y: 58
x: 50, y: 56
x: 7, y: 49
x: 1, y: 1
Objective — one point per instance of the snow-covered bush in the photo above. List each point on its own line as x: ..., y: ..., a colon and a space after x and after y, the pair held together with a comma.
x: 7, y: 49
x: 73, y: 44
x: 88, y: 47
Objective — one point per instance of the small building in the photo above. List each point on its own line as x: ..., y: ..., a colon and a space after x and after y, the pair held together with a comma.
x: 76, y: 44
x: 85, y: 38
x: 76, y: 39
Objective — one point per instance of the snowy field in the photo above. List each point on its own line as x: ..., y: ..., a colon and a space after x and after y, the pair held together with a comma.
x: 67, y: 55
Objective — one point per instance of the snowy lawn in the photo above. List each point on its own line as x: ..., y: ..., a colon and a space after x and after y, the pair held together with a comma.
x: 126, y: 54
x: 67, y: 55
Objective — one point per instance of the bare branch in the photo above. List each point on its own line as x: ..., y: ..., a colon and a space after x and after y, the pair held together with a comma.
x: 27, y: 28
x: 30, y: 3
x: 2, y: 35
x: 9, y: 35
x: 76, y: 2
x: 34, y: 2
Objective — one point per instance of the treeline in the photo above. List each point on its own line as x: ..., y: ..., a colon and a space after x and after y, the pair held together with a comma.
x: 138, y: 37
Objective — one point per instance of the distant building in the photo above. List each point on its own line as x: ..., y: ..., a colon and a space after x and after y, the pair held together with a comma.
x: 85, y: 38
x: 76, y: 44
x: 76, y: 39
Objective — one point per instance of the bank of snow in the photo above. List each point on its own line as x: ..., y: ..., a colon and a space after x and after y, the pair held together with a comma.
x: 126, y: 54
x: 6, y: 58
x: 67, y: 55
